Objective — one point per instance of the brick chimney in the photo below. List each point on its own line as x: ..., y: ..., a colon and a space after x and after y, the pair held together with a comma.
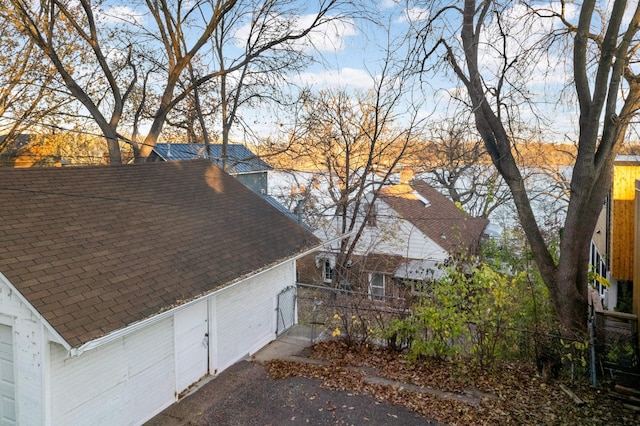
x: 406, y: 175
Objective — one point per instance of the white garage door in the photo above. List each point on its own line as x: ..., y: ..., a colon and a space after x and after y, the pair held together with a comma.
x: 192, y: 345
x: 242, y: 322
x: 7, y: 394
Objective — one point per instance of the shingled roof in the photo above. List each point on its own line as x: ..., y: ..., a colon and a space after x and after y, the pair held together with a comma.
x: 95, y: 249
x: 240, y: 158
x: 435, y: 215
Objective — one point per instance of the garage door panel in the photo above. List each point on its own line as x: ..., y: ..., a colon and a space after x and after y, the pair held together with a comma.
x: 244, y: 317
x: 191, y: 331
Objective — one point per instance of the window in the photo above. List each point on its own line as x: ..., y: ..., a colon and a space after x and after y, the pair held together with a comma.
x: 376, y: 287
x: 327, y: 271
x: 326, y: 262
x: 372, y: 215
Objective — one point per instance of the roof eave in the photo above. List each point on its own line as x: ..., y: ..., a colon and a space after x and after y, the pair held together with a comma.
x: 56, y: 336
x: 116, y: 334
x: 159, y: 155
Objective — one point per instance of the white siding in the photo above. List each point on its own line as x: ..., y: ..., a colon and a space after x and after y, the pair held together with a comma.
x: 122, y: 382
x: 244, y: 316
x: 191, y: 328
x: 28, y: 337
x: 397, y: 236
x: 7, y: 382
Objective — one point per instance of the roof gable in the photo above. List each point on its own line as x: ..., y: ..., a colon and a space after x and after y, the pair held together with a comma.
x: 95, y: 249
x: 435, y: 215
x: 241, y: 159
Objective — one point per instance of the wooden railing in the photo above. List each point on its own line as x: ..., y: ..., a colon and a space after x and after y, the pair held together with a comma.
x: 616, y: 338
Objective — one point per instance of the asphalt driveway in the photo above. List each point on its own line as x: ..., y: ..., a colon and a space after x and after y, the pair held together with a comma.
x: 244, y: 394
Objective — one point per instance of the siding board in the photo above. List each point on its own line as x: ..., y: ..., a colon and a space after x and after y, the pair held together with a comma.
x: 27, y: 338
x: 122, y: 382
x: 245, y: 315
x: 623, y: 194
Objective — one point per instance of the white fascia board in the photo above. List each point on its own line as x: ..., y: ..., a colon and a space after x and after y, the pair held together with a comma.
x: 56, y: 336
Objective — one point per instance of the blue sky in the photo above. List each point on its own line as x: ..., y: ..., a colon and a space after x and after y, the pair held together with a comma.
x: 351, y: 52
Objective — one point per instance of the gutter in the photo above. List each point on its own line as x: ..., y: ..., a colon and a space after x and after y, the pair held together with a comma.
x: 116, y: 334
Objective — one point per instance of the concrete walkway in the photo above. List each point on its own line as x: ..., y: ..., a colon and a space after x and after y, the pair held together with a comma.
x: 294, y: 344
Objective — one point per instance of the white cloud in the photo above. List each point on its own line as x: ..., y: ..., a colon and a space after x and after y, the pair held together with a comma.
x: 329, y: 37
x: 388, y: 4
x: 119, y: 14
x: 414, y: 14
x: 345, y: 77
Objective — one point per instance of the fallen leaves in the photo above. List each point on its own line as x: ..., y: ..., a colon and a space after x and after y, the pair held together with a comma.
x: 511, y: 394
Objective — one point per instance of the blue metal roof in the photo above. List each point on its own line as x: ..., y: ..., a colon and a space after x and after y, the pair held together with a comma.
x: 240, y: 160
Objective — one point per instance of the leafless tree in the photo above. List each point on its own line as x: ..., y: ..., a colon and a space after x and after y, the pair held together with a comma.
x: 357, y: 142
x: 68, y: 34
x: 29, y: 91
x: 604, y: 45
x: 456, y: 162
x: 107, y: 61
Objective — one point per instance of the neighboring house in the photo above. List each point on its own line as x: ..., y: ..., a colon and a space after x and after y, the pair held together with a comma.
x: 612, y: 243
x: 636, y: 256
x: 122, y: 286
x: 26, y: 150
x: 411, y: 232
x: 241, y: 163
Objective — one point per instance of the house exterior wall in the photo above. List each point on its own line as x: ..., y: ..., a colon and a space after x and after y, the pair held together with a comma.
x: 244, y: 317
x: 28, y: 341
x: 123, y: 382
x: 394, y: 235
x: 623, y: 194
x: 636, y: 255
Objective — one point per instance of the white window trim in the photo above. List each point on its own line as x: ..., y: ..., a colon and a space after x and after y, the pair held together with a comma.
x: 373, y: 296
x: 327, y: 271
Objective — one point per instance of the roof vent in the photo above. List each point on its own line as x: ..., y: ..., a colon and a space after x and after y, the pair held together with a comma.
x: 421, y: 198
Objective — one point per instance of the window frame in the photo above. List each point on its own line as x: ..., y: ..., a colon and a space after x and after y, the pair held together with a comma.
x: 373, y: 295
x: 327, y: 271
x: 371, y: 218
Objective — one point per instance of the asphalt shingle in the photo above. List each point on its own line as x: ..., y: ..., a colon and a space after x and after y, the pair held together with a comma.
x: 440, y: 219
x: 95, y: 249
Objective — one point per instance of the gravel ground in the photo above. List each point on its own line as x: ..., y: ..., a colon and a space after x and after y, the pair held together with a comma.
x: 244, y: 394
